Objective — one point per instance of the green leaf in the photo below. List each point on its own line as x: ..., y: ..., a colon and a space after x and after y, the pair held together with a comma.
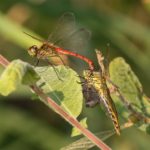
x: 123, y: 76
x: 145, y: 128
x: 146, y: 105
x: 130, y: 87
x: 61, y: 85
x: 17, y: 72
x: 65, y: 91
x: 75, y: 131
x: 30, y: 77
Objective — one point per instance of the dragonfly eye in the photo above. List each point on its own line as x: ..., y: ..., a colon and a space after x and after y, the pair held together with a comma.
x: 33, y: 50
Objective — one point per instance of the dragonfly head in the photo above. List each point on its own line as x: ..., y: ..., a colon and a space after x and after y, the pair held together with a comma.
x: 33, y: 50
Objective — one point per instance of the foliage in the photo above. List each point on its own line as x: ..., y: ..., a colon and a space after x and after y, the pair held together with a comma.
x: 66, y: 91
x: 134, y: 106
x: 16, y: 73
x: 125, y: 25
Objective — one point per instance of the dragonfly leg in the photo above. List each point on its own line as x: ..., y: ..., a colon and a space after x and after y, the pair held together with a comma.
x: 54, y: 70
x: 36, y: 62
x: 80, y: 77
x: 82, y: 83
x: 61, y: 60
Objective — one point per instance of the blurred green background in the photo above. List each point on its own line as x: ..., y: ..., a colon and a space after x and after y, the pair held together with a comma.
x: 28, y: 124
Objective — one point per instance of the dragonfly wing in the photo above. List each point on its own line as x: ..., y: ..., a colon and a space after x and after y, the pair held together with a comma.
x: 68, y: 35
x: 65, y: 26
x: 78, y: 41
x: 110, y: 108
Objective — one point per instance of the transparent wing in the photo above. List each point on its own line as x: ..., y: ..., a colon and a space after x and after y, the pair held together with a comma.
x: 78, y: 41
x: 68, y: 35
x: 64, y: 27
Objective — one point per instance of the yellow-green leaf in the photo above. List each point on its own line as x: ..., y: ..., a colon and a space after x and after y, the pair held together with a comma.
x: 16, y: 73
x: 75, y: 131
x: 61, y: 85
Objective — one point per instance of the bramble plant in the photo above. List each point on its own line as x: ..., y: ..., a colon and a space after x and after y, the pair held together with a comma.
x: 67, y: 99
x: 65, y: 96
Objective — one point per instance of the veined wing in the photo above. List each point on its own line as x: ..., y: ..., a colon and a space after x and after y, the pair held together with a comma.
x: 99, y: 83
x: 111, y: 109
x: 68, y: 35
x: 78, y: 41
x: 64, y: 27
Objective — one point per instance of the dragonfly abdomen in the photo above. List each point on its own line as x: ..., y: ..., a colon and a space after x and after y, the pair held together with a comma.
x: 66, y: 52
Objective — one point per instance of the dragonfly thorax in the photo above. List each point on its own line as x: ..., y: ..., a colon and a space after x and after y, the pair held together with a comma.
x: 47, y: 49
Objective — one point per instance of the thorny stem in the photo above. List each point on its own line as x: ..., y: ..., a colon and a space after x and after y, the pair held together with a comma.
x: 4, y: 62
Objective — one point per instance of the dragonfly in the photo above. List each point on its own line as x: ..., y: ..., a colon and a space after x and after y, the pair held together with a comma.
x: 65, y: 39
x: 95, y: 91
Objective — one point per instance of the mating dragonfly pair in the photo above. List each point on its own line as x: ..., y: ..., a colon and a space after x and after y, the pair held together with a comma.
x: 68, y: 37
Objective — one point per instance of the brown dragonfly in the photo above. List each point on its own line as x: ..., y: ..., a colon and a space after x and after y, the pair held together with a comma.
x: 95, y: 91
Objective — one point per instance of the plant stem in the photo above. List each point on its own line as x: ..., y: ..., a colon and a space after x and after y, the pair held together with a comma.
x: 98, y: 142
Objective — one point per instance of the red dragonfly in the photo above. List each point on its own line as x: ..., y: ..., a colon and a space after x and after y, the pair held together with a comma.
x: 67, y: 36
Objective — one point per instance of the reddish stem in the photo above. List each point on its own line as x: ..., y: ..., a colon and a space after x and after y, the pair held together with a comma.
x: 70, y: 119
x: 3, y: 61
x: 62, y: 113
